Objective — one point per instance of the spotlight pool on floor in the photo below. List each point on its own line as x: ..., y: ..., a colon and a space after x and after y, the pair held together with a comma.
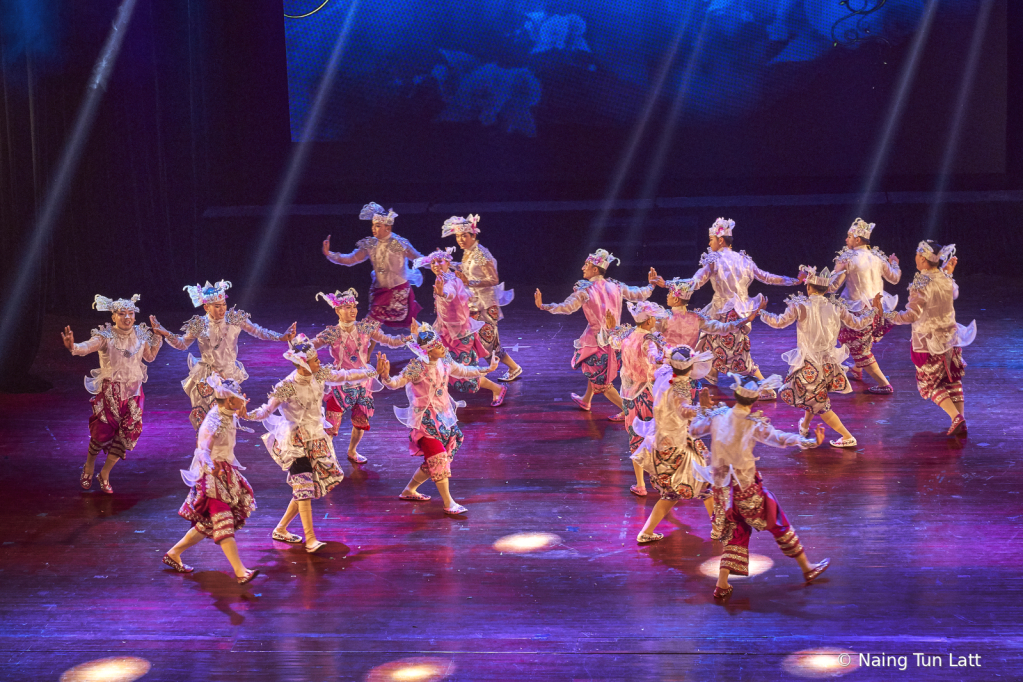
x: 758, y: 563
x: 119, y: 669
x: 523, y: 543
x: 820, y: 663
x: 412, y: 670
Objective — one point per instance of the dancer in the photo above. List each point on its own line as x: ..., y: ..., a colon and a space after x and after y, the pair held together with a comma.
x: 459, y: 332
x: 216, y: 333
x: 597, y: 296
x: 349, y: 343
x: 815, y: 365
x: 220, y: 500
x: 863, y: 269
x: 733, y: 469
x: 391, y: 298
x: 478, y: 271
x: 116, y: 421
x: 667, y: 452
x: 642, y: 352
x: 296, y: 439
x: 937, y: 340
x: 430, y: 416
x: 730, y: 275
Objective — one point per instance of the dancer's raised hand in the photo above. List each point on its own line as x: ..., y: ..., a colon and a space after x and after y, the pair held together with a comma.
x: 290, y: 334
x: 68, y: 337
x: 893, y: 259
x: 383, y: 366
x: 326, y: 246
x: 538, y: 299
x: 653, y: 278
x: 705, y: 399
x: 494, y: 362
x: 609, y: 320
x: 876, y: 303
x: 950, y: 266
x: 157, y: 327
x: 438, y: 286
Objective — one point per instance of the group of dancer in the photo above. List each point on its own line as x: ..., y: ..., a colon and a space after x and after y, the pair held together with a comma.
x: 663, y: 362
x: 663, y: 358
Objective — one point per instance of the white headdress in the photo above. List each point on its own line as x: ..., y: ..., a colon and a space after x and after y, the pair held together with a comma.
x: 925, y: 249
x: 643, y: 310
x: 339, y: 299
x: 861, y: 228
x: 300, y: 350
x: 459, y: 225
x: 680, y: 288
x: 683, y: 357
x: 224, y: 388
x: 427, y: 260
x: 818, y: 279
x: 749, y: 387
x: 201, y: 294
x: 431, y: 340
x: 120, y: 305
x: 375, y: 212
x: 602, y: 259
x: 722, y: 227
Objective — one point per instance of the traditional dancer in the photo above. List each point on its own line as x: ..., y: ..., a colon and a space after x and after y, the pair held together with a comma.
x: 597, y: 296
x: 349, y: 343
x: 430, y: 416
x: 642, y: 352
x: 863, y: 269
x: 459, y: 332
x: 216, y: 333
x: 220, y: 500
x: 937, y: 339
x: 733, y: 469
x: 478, y: 271
x: 391, y: 299
x: 815, y: 365
x: 116, y: 421
x: 296, y: 439
x: 730, y: 275
x: 667, y: 452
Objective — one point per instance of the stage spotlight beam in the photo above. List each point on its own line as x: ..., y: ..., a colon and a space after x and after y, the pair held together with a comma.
x: 962, y: 103
x: 906, y: 79
x: 299, y: 156
x: 632, y: 147
x: 57, y: 192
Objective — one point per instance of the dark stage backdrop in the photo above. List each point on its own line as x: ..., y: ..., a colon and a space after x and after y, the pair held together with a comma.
x: 196, y: 116
x: 506, y: 91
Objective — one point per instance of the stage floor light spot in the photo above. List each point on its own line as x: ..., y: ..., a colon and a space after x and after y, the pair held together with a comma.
x: 821, y: 663
x: 758, y: 563
x: 523, y: 543
x: 119, y: 669
x: 412, y: 670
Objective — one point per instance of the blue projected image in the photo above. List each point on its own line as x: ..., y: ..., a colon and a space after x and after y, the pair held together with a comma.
x: 560, y: 73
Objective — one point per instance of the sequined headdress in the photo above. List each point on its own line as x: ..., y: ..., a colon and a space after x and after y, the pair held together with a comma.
x: 428, y: 260
x: 925, y: 249
x: 683, y: 357
x: 680, y: 288
x: 120, y: 305
x: 224, y: 388
x: 458, y: 225
x: 426, y: 339
x: 201, y: 294
x: 643, y: 310
x: 722, y: 227
x: 340, y: 299
x: 818, y: 279
x: 375, y: 212
x: 749, y: 387
x: 300, y: 350
x: 602, y: 259
x: 861, y: 228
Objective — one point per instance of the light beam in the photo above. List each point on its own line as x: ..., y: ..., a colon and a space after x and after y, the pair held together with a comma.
x: 299, y: 155
x: 57, y: 192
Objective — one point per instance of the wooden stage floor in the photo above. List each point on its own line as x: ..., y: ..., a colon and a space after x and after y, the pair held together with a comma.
x: 923, y: 532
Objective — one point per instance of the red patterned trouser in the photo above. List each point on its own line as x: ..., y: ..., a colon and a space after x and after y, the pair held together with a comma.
x: 753, y: 508
x: 116, y: 417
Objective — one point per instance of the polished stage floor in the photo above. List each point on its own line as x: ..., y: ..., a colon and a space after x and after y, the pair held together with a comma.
x: 923, y: 532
